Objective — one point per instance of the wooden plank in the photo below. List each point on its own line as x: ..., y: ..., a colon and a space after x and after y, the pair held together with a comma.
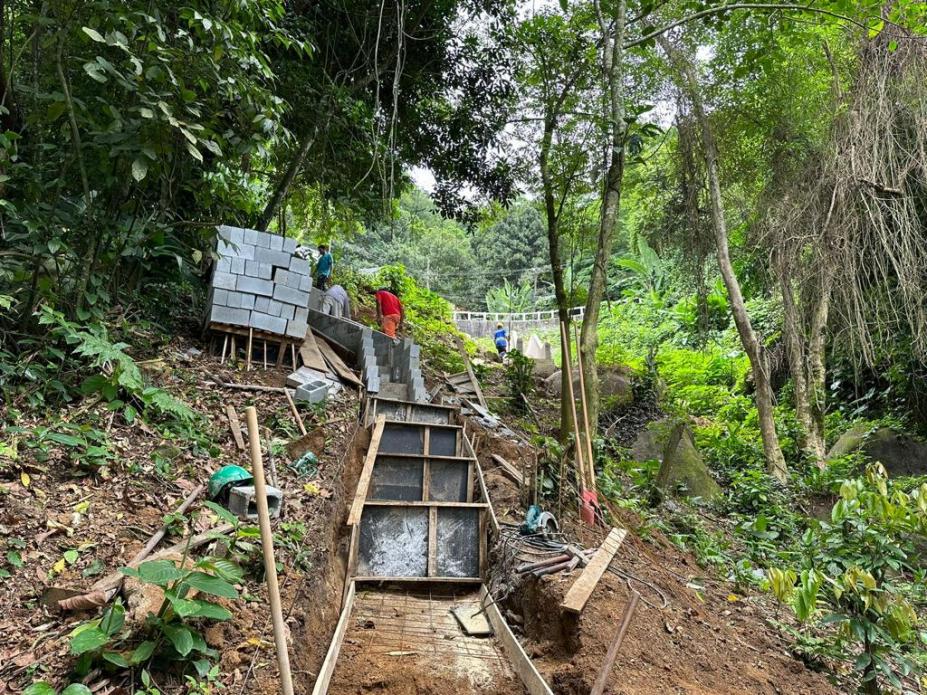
x: 419, y: 503
x: 235, y: 426
x: 296, y: 415
x: 599, y: 687
x: 331, y: 657
x: 576, y: 598
x: 470, y: 374
x: 360, y: 496
x: 508, y: 469
x: 433, y: 457
x: 432, y: 541
x: 484, y: 492
x: 309, y: 352
x: 533, y: 681
x: 421, y: 580
x: 337, y: 364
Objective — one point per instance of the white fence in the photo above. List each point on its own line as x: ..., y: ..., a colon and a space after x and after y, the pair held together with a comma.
x: 478, y: 324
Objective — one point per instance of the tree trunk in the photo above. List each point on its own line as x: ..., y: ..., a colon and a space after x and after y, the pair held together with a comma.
x: 613, y: 71
x: 283, y: 186
x: 553, y: 243
x: 795, y: 349
x: 759, y: 363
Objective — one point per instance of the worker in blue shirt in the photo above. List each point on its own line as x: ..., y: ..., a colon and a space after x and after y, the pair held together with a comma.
x: 323, y: 268
x: 501, y: 338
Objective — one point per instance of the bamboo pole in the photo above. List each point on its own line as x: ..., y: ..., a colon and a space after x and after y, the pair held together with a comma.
x: 590, y: 469
x: 299, y: 420
x: 568, y: 366
x: 267, y: 543
x: 250, y: 342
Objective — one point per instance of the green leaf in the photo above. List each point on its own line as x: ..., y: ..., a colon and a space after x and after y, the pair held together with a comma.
x: 87, y: 638
x: 77, y: 689
x: 187, y: 608
x: 14, y: 558
x: 195, y: 153
x: 93, y: 34
x: 180, y: 637
x: 66, y: 439
x: 139, y: 168
x: 40, y: 688
x: 211, y: 585
x: 222, y: 513
x: 117, y: 659
x: 876, y: 28
x: 160, y: 572
x: 113, y: 619
x: 70, y: 556
x: 142, y: 652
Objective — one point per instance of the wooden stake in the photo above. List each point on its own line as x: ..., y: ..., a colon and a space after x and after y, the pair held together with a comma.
x: 281, y: 351
x: 613, y: 648
x: 265, y: 354
x: 568, y: 366
x: 235, y: 426
x: 250, y: 342
x: 299, y: 420
x: 267, y: 543
x: 590, y: 469
x: 293, y: 355
x: 233, y: 356
x: 225, y: 344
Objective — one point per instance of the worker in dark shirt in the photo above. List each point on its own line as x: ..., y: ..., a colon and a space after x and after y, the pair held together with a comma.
x: 323, y: 267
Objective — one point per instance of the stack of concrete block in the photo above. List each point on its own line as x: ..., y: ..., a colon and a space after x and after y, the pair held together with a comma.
x: 311, y: 386
x: 259, y: 282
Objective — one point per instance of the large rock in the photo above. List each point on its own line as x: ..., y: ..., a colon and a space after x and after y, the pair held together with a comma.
x: 901, y: 454
x: 614, y: 386
x: 684, y: 469
x: 650, y: 442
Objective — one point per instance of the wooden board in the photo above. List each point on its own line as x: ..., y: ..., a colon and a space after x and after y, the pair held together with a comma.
x: 331, y: 658
x: 484, y: 492
x: 337, y: 364
x: 309, y: 351
x: 235, y: 426
x: 360, y: 496
x: 576, y: 598
x: 508, y: 469
x: 534, y: 682
x: 476, y: 385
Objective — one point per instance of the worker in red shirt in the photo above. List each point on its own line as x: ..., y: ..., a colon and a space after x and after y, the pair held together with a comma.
x: 390, y: 313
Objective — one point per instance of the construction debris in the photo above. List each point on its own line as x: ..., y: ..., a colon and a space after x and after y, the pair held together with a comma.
x: 576, y: 598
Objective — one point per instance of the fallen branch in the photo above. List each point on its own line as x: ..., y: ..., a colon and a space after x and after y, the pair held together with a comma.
x: 247, y: 387
x: 613, y: 648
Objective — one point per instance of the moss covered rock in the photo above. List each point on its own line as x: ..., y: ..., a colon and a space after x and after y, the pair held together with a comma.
x: 900, y: 453
x: 683, y: 468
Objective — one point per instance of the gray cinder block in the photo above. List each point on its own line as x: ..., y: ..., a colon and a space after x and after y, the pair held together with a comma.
x: 254, y: 285
x: 256, y: 269
x: 282, y: 276
x: 262, y: 304
x: 289, y: 245
x: 224, y: 265
x: 245, y: 251
x: 294, y: 280
x: 276, y: 258
x: 276, y: 242
x: 305, y: 283
x: 251, y: 236
x: 247, y: 301
x: 229, y: 315
x: 299, y: 265
x: 233, y: 235
x: 243, y: 504
x: 224, y: 281
x: 233, y: 300
x: 286, y: 311
x: 301, y: 314
x: 290, y: 296
x: 271, y: 324
x: 312, y: 392
x: 296, y: 329
x: 238, y: 265
x: 220, y: 297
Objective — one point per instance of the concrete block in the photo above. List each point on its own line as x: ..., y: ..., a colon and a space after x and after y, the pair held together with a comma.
x: 224, y: 265
x: 289, y: 245
x: 262, y: 304
x: 245, y: 251
x: 233, y: 235
x: 220, y: 297
x: 257, y: 269
x: 233, y: 300
x: 301, y: 314
x: 254, y: 285
x: 299, y: 265
x: 242, y: 501
x: 230, y: 315
x: 276, y: 258
x: 290, y: 296
x: 224, y: 281
x: 282, y: 276
x: 296, y: 281
x: 312, y: 392
x: 296, y: 329
x: 238, y: 265
x: 305, y: 284
x: 247, y: 301
x: 304, y: 375
x: 315, y: 297
x: 271, y: 324
x: 286, y: 311
x: 274, y: 307
x: 276, y: 242
x: 223, y: 248
x: 251, y: 236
